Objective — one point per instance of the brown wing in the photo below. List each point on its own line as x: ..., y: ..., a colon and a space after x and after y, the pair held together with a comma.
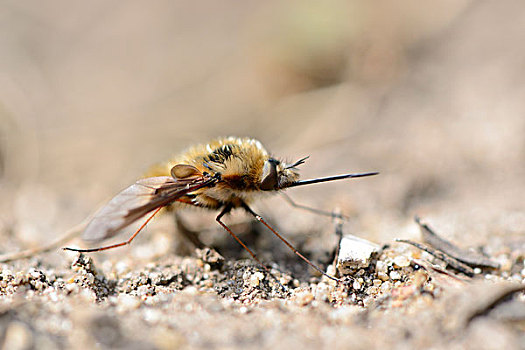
x: 139, y: 199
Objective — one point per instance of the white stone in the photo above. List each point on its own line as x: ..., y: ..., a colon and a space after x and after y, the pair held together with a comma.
x: 401, y: 261
x: 355, y: 253
x: 395, y: 275
x: 356, y: 285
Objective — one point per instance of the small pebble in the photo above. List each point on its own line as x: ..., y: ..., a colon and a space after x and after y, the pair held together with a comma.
x: 303, y: 297
x: 401, y: 261
x: 256, y: 278
x: 144, y: 290
x: 34, y: 274
x: 395, y: 275
x: 381, y: 266
x: 128, y: 302
x: 207, y: 283
x: 190, y: 290
x: 383, y: 276
x: 386, y: 286
x: 322, y: 292
x: 356, y: 285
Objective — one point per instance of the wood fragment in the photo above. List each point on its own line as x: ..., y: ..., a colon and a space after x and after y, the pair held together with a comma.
x: 468, y: 257
x: 450, y: 261
x: 435, y: 270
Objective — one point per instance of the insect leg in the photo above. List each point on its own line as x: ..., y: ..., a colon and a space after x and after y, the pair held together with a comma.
x: 226, y: 210
x: 99, y: 249
x: 313, y: 210
x: 261, y: 220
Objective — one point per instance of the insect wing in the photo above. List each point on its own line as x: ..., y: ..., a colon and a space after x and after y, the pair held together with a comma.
x: 136, y: 201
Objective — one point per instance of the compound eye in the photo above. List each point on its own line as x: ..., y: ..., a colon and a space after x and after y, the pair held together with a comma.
x: 269, y: 175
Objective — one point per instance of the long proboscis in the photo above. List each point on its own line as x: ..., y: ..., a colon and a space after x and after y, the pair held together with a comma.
x: 331, y: 178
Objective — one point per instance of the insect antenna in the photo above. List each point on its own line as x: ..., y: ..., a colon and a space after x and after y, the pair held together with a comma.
x: 99, y: 249
x: 261, y: 220
x: 296, y: 164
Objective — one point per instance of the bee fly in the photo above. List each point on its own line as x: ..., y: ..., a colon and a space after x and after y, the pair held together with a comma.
x: 222, y: 175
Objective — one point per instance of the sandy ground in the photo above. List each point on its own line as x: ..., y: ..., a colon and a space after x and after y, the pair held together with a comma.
x: 429, y: 95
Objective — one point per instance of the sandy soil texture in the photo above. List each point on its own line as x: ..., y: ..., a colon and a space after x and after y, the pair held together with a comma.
x: 429, y: 94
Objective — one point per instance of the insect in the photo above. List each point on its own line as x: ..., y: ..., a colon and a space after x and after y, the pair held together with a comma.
x: 225, y: 174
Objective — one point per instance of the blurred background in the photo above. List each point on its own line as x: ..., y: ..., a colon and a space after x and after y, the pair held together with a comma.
x: 431, y: 94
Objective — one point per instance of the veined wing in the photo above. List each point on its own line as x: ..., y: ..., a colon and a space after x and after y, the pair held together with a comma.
x: 138, y: 200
